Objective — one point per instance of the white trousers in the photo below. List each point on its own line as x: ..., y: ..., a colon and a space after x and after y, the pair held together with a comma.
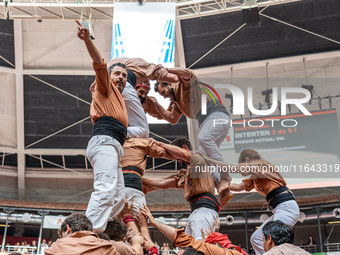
x: 211, y: 136
x: 138, y: 123
x: 107, y: 199
x: 200, y: 218
x: 137, y: 197
x: 287, y: 212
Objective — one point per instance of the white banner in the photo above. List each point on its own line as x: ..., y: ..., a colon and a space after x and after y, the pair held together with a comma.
x: 145, y: 31
x: 53, y: 222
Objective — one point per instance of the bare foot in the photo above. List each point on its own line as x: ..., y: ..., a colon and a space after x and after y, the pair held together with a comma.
x: 224, y: 197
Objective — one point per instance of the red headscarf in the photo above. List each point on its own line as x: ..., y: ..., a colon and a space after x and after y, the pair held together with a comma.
x: 142, y: 85
x: 223, y: 240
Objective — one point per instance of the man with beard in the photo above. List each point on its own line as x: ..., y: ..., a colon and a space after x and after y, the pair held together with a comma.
x: 105, y: 149
x: 198, y: 187
x: 186, y: 98
x: 142, y: 92
x: 133, y: 164
x: 139, y: 71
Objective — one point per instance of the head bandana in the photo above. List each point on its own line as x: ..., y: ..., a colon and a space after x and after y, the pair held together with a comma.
x: 223, y: 240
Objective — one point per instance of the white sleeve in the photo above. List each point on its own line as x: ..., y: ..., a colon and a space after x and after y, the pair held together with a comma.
x: 138, y: 123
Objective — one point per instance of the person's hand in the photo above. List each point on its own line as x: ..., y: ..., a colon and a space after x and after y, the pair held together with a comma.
x: 153, y: 100
x: 146, y: 212
x: 83, y: 33
x: 127, y: 210
x: 148, y: 244
x: 156, y: 142
x: 204, y: 236
x: 224, y: 185
x: 141, y: 221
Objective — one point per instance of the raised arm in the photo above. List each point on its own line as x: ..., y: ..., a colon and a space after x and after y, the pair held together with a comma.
x: 181, y: 239
x: 84, y: 34
x: 160, y: 183
x: 237, y: 186
x: 165, y: 229
x: 102, y: 75
x: 172, y: 114
x: 176, y: 152
x: 181, y: 72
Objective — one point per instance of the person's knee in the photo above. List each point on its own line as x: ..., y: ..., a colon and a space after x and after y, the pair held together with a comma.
x: 204, y: 138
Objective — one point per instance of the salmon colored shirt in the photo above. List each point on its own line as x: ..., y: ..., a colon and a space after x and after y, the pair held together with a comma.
x: 81, y: 243
x: 184, y: 240
x: 136, y: 151
x: 263, y: 181
x: 106, y: 98
x: 188, y: 96
x: 143, y: 70
x: 150, y: 109
x: 202, y: 182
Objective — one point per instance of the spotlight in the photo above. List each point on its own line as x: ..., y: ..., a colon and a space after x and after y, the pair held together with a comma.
x: 267, y: 94
x: 290, y: 108
x: 310, y: 89
x: 336, y: 212
x: 230, y: 96
x: 250, y: 11
x: 264, y: 217
x: 39, y: 20
x: 279, y: 106
x: 302, y: 217
x: 330, y: 101
x: 260, y: 106
x: 90, y: 28
x: 229, y: 220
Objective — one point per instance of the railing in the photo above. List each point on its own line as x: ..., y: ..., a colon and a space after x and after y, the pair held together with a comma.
x: 21, y: 249
x: 332, y: 247
x: 310, y: 248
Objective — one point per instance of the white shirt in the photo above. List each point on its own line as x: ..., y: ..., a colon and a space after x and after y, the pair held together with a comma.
x: 138, y: 123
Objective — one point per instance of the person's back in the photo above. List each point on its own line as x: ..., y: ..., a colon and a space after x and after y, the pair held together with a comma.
x: 278, y: 239
x: 77, y: 238
x: 286, y: 249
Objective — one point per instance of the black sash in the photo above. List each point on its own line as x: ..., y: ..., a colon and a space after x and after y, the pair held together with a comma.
x: 111, y: 127
x: 204, y: 200
x: 133, y: 178
x: 279, y: 196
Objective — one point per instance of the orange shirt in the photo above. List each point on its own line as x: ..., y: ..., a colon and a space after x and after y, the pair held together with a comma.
x: 81, y: 243
x: 143, y: 70
x: 263, y: 181
x: 106, y: 98
x: 136, y: 151
x: 194, y: 182
x: 184, y: 240
x: 188, y: 96
x: 151, y: 109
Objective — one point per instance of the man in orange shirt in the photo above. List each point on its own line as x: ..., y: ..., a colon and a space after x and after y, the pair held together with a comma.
x: 267, y: 181
x: 186, y: 99
x: 133, y: 164
x: 198, y: 187
x: 105, y: 149
x: 181, y: 239
x: 76, y: 238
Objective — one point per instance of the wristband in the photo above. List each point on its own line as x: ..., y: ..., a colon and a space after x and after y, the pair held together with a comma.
x: 153, y: 250
x: 128, y: 218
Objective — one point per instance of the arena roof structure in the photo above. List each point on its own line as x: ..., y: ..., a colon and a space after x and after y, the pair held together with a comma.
x: 46, y: 72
